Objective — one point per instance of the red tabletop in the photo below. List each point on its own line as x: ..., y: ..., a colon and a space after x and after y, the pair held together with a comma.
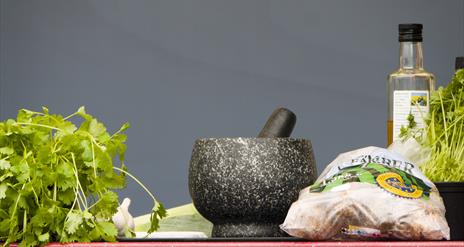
x: 263, y: 244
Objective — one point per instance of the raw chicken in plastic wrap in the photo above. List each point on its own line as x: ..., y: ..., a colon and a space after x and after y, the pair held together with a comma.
x: 370, y: 193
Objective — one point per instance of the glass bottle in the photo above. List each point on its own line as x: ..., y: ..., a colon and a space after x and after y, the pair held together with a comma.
x: 408, y: 87
x: 459, y: 64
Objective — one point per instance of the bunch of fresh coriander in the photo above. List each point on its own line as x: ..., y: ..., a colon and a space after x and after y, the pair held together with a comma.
x: 443, y: 134
x: 57, y: 179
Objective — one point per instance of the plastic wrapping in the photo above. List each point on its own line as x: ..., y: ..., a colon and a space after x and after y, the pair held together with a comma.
x: 369, y: 193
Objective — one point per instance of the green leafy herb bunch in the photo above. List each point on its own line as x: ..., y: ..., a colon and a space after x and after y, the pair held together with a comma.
x: 443, y: 134
x: 57, y: 179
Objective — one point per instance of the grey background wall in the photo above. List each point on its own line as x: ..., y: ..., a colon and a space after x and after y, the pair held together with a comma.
x: 180, y: 70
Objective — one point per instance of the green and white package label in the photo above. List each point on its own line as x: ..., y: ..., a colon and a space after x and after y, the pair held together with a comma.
x: 390, y: 179
x: 405, y: 102
x: 382, y: 168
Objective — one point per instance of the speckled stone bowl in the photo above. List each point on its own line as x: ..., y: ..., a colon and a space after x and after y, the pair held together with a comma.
x: 245, y: 186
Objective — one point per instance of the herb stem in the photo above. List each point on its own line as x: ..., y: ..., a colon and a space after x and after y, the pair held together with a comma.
x: 24, y: 221
x: 79, y: 188
x: 54, y: 191
x: 443, y: 113
x: 39, y: 125
x: 93, y: 158
x: 137, y: 181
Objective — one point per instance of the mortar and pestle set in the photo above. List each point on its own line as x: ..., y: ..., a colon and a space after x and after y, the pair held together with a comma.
x: 245, y: 186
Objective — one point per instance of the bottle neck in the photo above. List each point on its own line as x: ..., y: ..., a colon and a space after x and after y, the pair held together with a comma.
x: 411, y: 55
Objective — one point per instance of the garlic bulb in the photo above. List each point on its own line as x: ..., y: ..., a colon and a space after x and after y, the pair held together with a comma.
x: 123, y: 220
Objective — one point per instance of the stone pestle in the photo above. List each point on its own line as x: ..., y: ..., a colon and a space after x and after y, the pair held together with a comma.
x: 279, y: 124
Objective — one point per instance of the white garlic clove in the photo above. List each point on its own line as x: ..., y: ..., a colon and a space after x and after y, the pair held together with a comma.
x: 123, y: 220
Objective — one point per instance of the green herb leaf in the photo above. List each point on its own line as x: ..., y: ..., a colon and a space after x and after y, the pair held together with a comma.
x: 6, y: 150
x: 4, y: 164
x: 43, y: 237
x: 56, y: 178
x: 73, y: 221
x: 3, y: 188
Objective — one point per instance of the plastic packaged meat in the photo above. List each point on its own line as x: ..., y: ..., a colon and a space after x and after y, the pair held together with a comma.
x: 370, y: 193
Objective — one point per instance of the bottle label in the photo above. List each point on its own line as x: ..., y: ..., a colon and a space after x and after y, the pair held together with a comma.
x: 407, y: 102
